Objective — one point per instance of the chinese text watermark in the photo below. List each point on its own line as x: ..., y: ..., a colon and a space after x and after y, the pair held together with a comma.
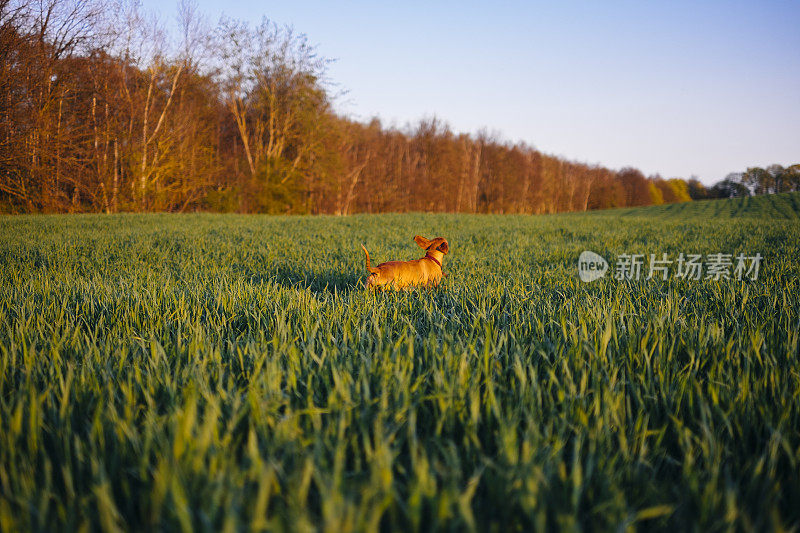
x: 717, y: 266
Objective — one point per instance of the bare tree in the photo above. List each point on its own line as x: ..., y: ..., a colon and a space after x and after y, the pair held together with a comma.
x: 272, y: 79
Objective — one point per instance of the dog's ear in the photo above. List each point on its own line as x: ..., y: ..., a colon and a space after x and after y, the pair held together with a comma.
x: 443, y: 246
x: 422, y: 242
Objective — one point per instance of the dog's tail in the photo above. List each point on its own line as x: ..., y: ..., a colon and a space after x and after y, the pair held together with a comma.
x: 370, y: 268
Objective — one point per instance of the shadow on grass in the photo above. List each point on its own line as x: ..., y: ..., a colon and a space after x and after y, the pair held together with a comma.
x: 320, y: 283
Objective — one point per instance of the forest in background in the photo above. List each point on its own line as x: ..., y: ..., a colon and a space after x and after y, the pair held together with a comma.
x: 102, y: 110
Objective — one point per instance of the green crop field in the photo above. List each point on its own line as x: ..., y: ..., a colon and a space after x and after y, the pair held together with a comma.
x: 785, y: 205
x: 225, y: 372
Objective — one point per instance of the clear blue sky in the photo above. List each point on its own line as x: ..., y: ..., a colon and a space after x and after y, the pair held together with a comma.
x: 676, y: 88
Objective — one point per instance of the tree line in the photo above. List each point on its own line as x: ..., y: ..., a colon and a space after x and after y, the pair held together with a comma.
x: 101, y: 110
x: 753, y: 181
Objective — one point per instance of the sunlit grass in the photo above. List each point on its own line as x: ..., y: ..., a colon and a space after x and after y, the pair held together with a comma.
x: 211, y: 372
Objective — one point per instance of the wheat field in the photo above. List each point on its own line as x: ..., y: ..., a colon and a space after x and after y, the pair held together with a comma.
x: 226, y: 373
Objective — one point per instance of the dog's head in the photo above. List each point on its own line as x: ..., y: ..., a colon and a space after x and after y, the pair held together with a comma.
x: 439, y: 244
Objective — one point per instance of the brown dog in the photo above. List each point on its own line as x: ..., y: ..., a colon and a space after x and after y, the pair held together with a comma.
x: 399, y: 274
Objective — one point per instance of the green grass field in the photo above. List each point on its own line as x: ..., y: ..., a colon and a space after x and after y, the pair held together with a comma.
x: 774, y: 206
x: 224, y: 372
